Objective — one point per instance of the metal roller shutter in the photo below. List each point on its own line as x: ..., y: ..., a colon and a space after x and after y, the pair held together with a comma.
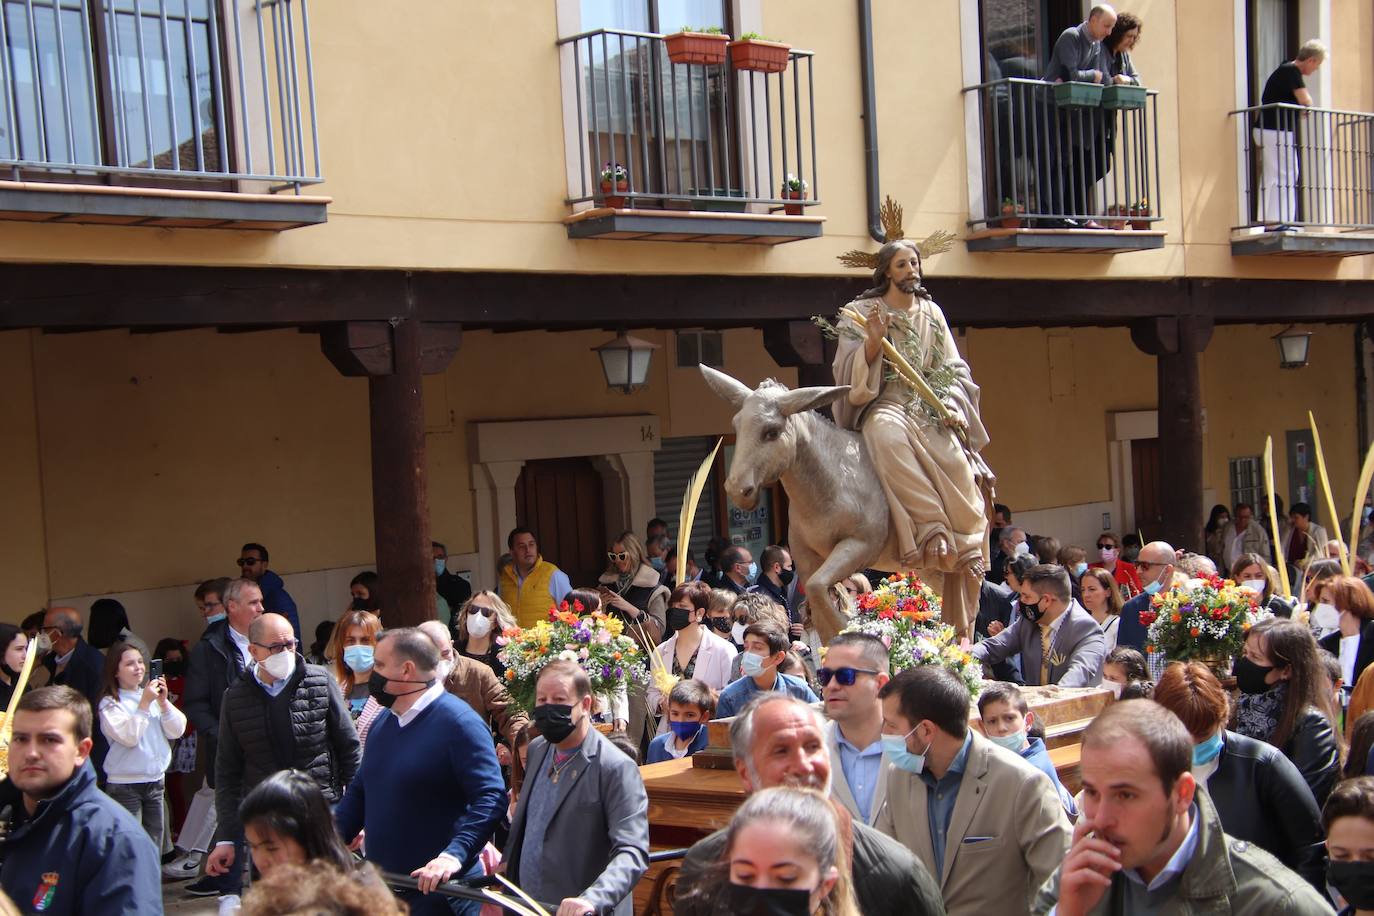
x: 674, y: 464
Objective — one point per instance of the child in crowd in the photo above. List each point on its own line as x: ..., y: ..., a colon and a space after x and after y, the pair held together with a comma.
x: 286, y: 821
x: 1123, y: 665
x: 140, y: 721
x: 1007, y: 721
x: 690, y: 706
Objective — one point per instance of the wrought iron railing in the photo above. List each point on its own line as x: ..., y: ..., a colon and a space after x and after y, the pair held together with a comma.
x: 1046, y: 162
x: 688, y: 135
x: 1306, y: 167
x: 151, y: 90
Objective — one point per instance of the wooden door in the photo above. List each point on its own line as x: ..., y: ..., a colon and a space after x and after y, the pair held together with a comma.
x: 560, y: 500
x: 1145, y: 483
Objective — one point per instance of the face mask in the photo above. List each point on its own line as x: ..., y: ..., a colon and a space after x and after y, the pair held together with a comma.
x: 444, y: 670
x: 173, y: 668
x: 657, y: 563
x: 479, y: 625
x: 1250, y: 676
x: 1013, y: 742
x: 376, y: 688
x: 743, y: 900
x: 1114, y: 687
x: 1107, y: 554
x: 1355, y: 881
x: 554, y: 721
x: 1326, y: 617
x: 1032, y: 612
x: 439, y: 566
x: 1257, y: 585
x: 894, y: 748
x: 785, y: 576
x: 752, y: 665
x: 1367, y: 512
x: 358, y: 658
x: 753, y: 572
x: 215, y: 618
x: 1079, y: 569
x: 281, y: 666
x: 1207, y: 751
x: 678, y: 619
x: 719, y: 624
x: 1223, y: 521
x: 1020, y: 550
x: 1154, y: 587
x: 359, y: 604
x: 685, y: 731
x: 44, y: 643
x: 737, y: 633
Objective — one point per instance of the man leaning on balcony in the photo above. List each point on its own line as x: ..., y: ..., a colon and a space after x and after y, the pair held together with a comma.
x: 1078, y: 58
x: 1275, y: 135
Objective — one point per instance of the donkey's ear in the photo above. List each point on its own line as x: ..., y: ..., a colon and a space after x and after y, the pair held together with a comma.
x: 726, y: 386
x: 809, y: 398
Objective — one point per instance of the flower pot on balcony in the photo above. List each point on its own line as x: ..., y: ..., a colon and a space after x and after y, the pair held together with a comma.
x: 614, y: 201
x: 1140, y: 222
x: 1011, y: 218
x: 793, y: 209
x: 696, y: 47
x: 1078, y: 95
x: 1117, y: 217
x: 759, y: 55
x: 1122, y: 97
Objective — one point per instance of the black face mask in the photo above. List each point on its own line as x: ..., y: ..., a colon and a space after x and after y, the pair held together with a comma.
x: 554, y: 721
x: 376, y: 688
x: 1355, y: 881
x: 720, y: 624
x: 1032, y: 612
x: 743, y: 900
x: 1250, y: 676
x: 678, y: 619
x: 361, y: 604
x: 173, y: 667
x: 785, y: 576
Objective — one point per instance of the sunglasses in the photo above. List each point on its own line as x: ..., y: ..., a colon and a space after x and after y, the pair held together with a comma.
x: 287, y: 646
x: 248, y: 561
x: 478, y: 609
x: 618, y: 557
x: 844, y: 676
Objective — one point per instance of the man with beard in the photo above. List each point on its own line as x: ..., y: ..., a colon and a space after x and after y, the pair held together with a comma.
x: 1149, y: 842
x: 779, y: 740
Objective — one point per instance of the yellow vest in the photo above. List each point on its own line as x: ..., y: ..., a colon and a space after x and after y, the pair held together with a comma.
x: 529, y: 600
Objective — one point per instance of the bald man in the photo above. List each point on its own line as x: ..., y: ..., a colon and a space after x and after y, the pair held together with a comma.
x: 1156, y: 565
x: 72, y: 661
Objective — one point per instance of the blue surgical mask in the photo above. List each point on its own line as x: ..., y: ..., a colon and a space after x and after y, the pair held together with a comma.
x: 753, y: 572
x: 1154, y: 587
x: 1207, y: 751
x: 1013, y: 742
x: 439, y: 566
x: 1079, y: 569
x: 752, y: 665
x: 894, y: 749
x: 657, y: 563
x: 358, y: 658
x: 215, y: 618
x: 685, y: 731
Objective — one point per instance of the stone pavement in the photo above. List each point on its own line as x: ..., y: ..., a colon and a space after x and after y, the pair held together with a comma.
x: 177, y: 902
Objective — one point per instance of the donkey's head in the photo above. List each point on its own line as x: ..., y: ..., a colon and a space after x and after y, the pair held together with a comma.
x: 766, y: 430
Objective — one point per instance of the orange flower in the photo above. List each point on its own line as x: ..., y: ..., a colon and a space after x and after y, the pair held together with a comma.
x: 543, y: 650
x: 1176, y: 617
x: 1193, y: 631
x: 510, y: 674
x: 616, y: 656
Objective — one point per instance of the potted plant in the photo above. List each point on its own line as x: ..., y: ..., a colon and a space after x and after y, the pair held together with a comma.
x: 793, y: 188
x: 614, y: 177
x: 1121, y: 212
x: 1078, y: 95
x: 1204, y: 619
x: 1140, y: 210
x: 1123, y: 96
x: 762, y: 55
x: 1011, y: 214
x: 690, y: 45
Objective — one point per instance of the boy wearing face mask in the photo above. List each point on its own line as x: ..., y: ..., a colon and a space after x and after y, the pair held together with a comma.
x: 1007, y: 721
x: 690, y: 706
x: 765, y: 645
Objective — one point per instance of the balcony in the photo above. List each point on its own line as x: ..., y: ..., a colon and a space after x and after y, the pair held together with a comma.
x: 1073, y: 175
x: 706, y: 152
x: 171, y: 113
x: 1307, y: 182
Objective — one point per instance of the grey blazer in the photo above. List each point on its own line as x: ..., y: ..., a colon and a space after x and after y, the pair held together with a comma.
x: 839, y: 786
x: 1076, y: 654
x: 599, y: 831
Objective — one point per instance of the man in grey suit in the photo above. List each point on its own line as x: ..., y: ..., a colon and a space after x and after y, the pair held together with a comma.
x: 580, y: 834
x: 1057, y: 640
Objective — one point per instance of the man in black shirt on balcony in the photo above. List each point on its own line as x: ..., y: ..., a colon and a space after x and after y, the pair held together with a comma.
x: 1275, y: 135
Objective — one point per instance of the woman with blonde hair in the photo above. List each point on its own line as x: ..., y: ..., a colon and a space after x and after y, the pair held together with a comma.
x: 632, y: 589
x: 478, y: 627
x: 350, y: 651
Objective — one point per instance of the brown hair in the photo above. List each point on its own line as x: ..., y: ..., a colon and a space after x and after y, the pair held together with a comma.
x: 371, y: 623
x: 771, y: 632
x: 699, y: 593
x: 1003, y: 693
x: 1071, y: 556
x: 1165, y: 738
x: 1124, y: 23
x: 693, y: 692
x: 1192, y: 692
x: 320, y: 889
x: 44, y: 699
x: 1352, y: 798
x: 1291, y: 646
x: 1352, y: 595
x: 1108, y: 583
x: 109, y: 677
x: 1361, y: 743
x: 523, y: 737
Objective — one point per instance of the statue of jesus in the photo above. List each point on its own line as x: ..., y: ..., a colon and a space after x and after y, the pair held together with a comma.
x: 938, y: 488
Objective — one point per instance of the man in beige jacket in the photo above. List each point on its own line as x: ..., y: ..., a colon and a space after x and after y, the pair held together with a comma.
x: 987, y: 824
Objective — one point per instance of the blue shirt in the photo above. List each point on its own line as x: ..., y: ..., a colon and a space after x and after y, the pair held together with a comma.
x: 273, y: 689
x: 735, y: 696
x: 658, y: 748
x: 941, y: 794
x: 862, y: 770
x: 1037, y: 755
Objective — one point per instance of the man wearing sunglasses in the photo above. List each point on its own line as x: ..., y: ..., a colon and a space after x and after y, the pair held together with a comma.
x: 275, y: 599
x: 855, y: 670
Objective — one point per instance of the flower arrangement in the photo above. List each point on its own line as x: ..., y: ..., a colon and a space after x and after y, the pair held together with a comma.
x: 1204, y: 618
x: 595, y: 641
x: 614, y: 172
x: 904, y: 613
x: 794, y: 184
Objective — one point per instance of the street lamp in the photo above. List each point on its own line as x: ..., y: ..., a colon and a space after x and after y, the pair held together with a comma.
x: 1293, y: 346
x: 625, y: 360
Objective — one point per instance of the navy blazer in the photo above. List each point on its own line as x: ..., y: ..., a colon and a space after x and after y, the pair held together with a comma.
x: 1131, y: 632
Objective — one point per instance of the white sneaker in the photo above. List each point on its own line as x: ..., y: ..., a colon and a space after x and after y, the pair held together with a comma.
x: 229, y: 905
x: 183, y: 867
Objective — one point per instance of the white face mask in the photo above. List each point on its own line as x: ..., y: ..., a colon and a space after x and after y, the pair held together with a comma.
x: 1021, y: 549
x: 1114, y: 687
x: 479, y: 625
x: 445, y: 667
x: 1326, y: 617
x: 281, y: 665
x: 737, y: 632
x: 1257, y: 585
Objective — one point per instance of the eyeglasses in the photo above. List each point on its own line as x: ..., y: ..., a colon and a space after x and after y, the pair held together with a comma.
x: 278, y: 647
x: 248, y: 561
x: 845, y: 676
x: 618, y: 557
x: 478, y: 609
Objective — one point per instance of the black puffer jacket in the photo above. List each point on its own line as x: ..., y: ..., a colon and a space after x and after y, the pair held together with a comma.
x: 1261, y: 797
x: 215, y: 663
x: 306, y: 727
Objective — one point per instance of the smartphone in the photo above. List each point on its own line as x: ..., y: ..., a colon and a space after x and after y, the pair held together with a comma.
x: 155, y: 669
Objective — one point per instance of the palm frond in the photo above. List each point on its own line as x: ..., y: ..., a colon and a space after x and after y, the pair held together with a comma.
x: 890, y: 215
x: 938, y: 242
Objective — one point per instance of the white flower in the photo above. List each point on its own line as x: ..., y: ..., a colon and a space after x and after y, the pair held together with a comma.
x: 568, y: 655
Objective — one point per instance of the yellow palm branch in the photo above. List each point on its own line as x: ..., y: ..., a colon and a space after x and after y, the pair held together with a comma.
x: 1326, y: 490
x: 1273, y: 512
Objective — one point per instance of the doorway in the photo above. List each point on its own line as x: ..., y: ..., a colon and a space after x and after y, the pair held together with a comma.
x: 1145, y: 486
x: 561, y: 501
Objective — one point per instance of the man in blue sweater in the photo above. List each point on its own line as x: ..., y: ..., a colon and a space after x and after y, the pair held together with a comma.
x: 275, y: 598
x: 429, y: 792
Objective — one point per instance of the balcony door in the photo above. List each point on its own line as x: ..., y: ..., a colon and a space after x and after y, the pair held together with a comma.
x: 1271, y: 37
x: 1018, y: 35
x: 669, y: 126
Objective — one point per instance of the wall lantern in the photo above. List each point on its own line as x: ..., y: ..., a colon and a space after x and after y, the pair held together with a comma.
x: 1293, y: 346
x: 625, y: 360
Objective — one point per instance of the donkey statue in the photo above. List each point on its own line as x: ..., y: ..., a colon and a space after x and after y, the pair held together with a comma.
x: 838, y: 522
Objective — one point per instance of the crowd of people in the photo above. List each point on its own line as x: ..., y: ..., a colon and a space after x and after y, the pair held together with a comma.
x: 367, y: 771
